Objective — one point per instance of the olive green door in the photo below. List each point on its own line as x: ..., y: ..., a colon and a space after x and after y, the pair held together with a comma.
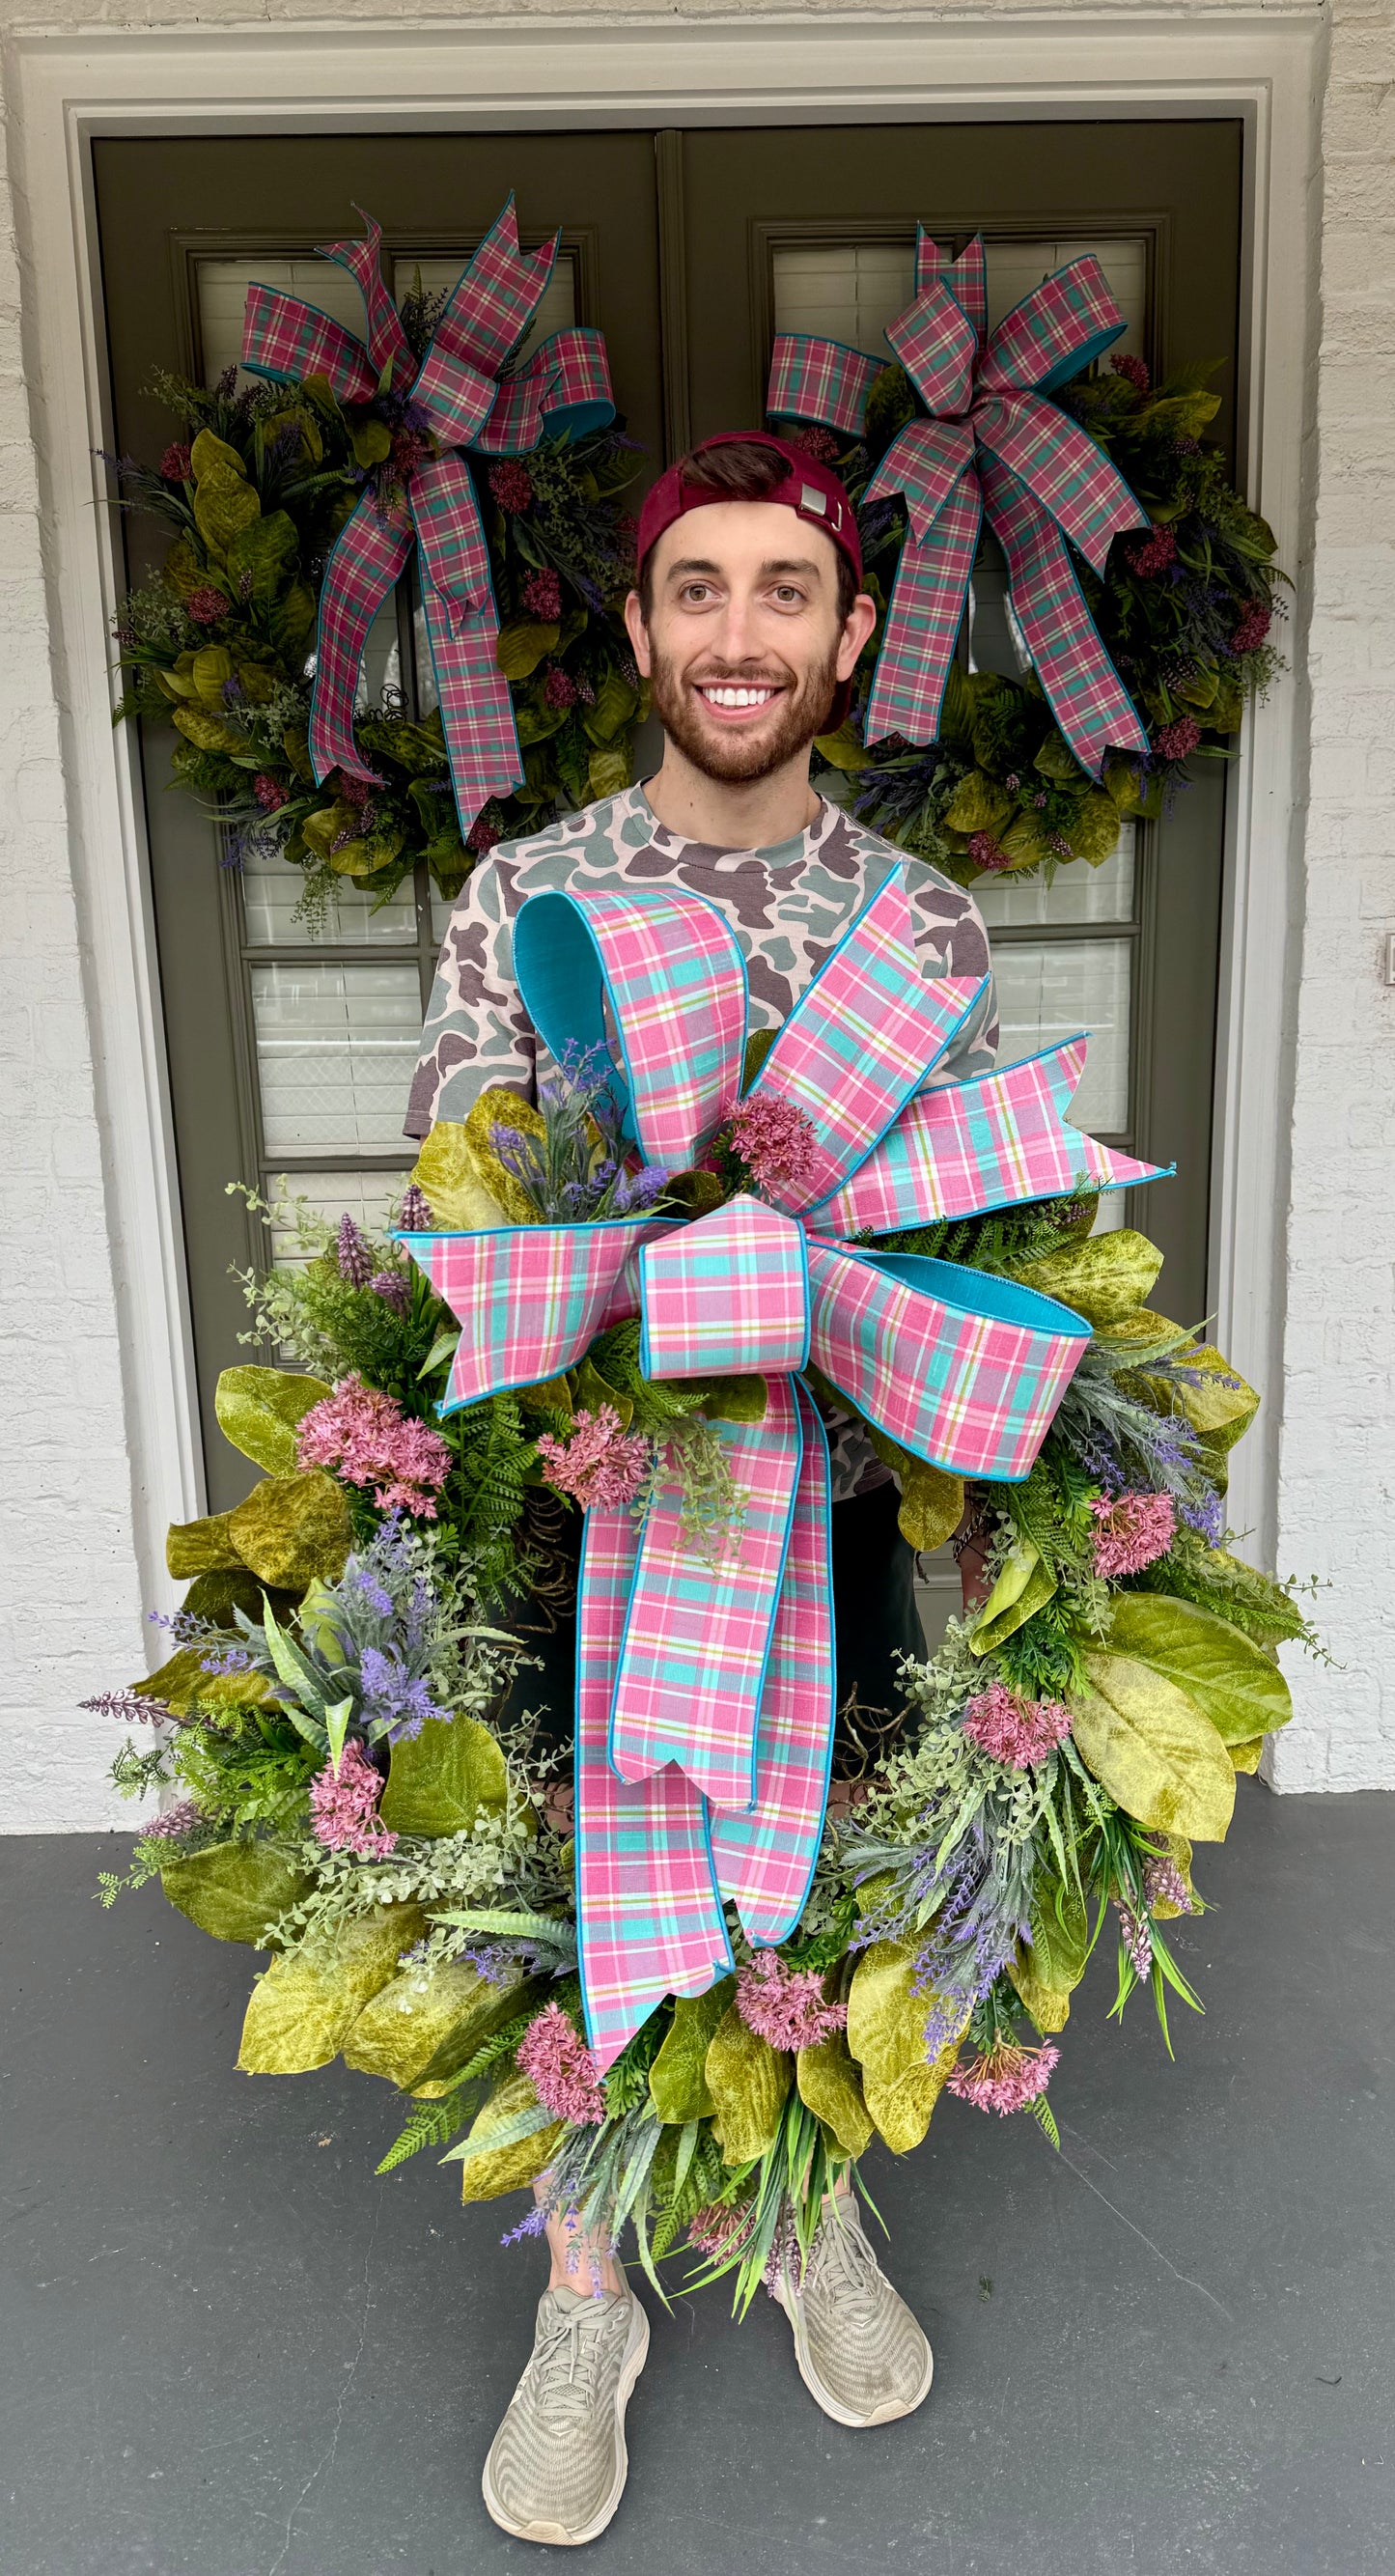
x: 291, y: 1052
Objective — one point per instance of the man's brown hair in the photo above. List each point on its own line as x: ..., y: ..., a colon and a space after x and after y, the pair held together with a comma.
x: 742, y: 469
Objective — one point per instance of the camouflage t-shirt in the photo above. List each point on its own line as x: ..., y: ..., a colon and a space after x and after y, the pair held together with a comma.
x: 788, y: 905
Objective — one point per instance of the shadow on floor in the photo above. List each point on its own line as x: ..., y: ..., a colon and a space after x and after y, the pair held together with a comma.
x: 230, y: 2351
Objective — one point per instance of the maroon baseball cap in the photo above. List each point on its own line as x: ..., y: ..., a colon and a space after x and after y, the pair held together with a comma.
x: 810, y: 489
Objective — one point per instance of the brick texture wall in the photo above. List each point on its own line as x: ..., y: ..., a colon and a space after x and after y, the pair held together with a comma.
x: 69, y: 1585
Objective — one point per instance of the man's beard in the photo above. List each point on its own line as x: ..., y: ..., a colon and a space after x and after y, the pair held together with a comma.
x: 736, y: 758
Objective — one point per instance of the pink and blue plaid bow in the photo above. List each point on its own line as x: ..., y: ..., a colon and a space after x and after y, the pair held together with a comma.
x: 705, y: 1692
x: 462, y: 396
x: 988, y: 444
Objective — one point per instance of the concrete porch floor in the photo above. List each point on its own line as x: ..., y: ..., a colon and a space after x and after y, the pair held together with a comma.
x: 230, y: 2351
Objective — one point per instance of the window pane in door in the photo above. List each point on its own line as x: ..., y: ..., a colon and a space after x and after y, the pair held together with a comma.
x: 370, y: 1198
x: 1078, y: 892
x: 271, y: 893
x: 849, y: 291
x: 1049, y: 989
x: 336, y: 1049
x: 223, y: 284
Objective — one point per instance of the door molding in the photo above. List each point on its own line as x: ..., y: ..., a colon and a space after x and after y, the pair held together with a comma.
x: 572, y: 72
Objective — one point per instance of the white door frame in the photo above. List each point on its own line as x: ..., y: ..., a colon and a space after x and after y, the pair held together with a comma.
x: 569, y: 71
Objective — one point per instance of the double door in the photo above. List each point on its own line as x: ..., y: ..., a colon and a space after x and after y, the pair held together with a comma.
x: 291, y: 1045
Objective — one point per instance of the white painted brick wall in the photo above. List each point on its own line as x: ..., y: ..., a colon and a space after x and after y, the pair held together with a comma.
x: 70, y: 1610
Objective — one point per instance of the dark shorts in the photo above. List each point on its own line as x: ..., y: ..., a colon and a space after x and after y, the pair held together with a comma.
x: 875, y: 1620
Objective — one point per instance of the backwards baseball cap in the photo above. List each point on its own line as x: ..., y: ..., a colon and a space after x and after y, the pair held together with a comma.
x: 808, y: 488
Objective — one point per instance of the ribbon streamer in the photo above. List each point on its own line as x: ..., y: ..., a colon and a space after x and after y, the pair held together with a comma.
x: 705, y: 1692
x: 457, y: 399
x: 987, y: 444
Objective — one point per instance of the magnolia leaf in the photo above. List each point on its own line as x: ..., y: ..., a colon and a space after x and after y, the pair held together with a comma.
x: 292, y: 1528
x: 1094, y: 828
x: 1231, y: 1680
x: 748, y: 2081
x: 300, y: 2013
x: 695, y: 1191
x: 1179, y: 1850
x: 234, y: 1890
x: 608, y: 769
x: 932, y: 1501
x: 734, y: 1399
x: 212, y: 455
x: 843, y: 749
x: 1148, y: 1744
x: 1025, y: 842
x: 1024, y: 1584
x: 888, y: 2011
x: 1048, y: 2005
x: 224, y: 504
x: 206, y: 733
x: 202, y: 1547
x: 1246, y: 1757
x: 219, y: 1596
x: 407, y: 2025
x: 1122, y: 782
x: 367, y: 852
x: 212, y: 669
x: 1222, y: 1407
x: 476, y: 2018
x: 258, y: 1410
x: 371, y: 441
x: 978, y: 804
x: 523, y: 642
x: 1060, y: 1935
x: 184, y: 571
x: 448, y: 1177
x: 492, y: 2167
x: 182, y: 1684
x: 830, y: 2085
x: 593, y: 1391
x: 677, y: 2084
x: 902, y: 2110
x: 1104, y: 1277
x: 1056, y: 759
x: 612, y: 708
x: 440, y: 1779
x: 498, y: 1107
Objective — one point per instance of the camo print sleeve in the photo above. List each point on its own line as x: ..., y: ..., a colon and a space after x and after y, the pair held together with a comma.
x: 789, y: 906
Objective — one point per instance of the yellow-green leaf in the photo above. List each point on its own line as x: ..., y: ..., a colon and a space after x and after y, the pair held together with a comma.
x: 1094, y: 828
x: 902, y: 2110
x: 212, y: 669
x: 593, y: 1391
x: 292, y: 1528
x: 932, y: 1501
x: 493, y: 2170
x: 608, y: 769
x: 183, y: 1684
x: 234, y: 1890
x: 259, y: 1409
x: 440, y: 1779
x: 224, y: 504
x: 406, y: 2025
x: 1231, y: 1680
x: 1106, y: 1276
x: 829, y: 2083
x: 202, y: 1547
x: 448, y: 1177
x: 206, y: 732
x: 1222, y: 1407
x: 1056, y: 759
x: 523, y: 642
x: 1246, y: 1756
x: 1022, y: 1588
x: 888, y: 2014
x: 1048, y: 2005
x: 843, y: 749
x: 1148, y: 1744
x: 748, y: 2081
x: 735, y: 1399
x: 677, y: 2083
x: 212, y: 455
x: 476, y: 2022
x: 300, y: 2013
x: 978, y: 804
x: 498, y: 1107
x: 371, y: 441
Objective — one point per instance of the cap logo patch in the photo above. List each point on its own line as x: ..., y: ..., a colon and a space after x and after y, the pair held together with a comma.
x: 809, y: 499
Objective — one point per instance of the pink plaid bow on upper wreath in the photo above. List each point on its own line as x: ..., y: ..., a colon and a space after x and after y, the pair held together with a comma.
x: 705, y: 1691
x: 460, y: 396
x: 987, y: 443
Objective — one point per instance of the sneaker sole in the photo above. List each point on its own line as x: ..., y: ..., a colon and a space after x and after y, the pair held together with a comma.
x: 554, y: 2534
x: 889, y: 2412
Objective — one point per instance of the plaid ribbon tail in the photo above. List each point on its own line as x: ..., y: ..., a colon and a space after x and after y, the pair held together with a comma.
x: 462, y: 625
x: 820, y: 380
x: 283, y: 337
x: 367, y: 557
x: 1087, y: 697
x: 564, y: 387
x: 765, y: 1860
x: 529, y: 1298
x: 388, y: 344
x: 649, y: 1917
x: 962, y: 1368
x: 966, y: 1147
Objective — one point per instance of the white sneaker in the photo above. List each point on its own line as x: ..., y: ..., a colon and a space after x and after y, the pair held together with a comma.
x: 861, y: 2353
x: 557, y: 2465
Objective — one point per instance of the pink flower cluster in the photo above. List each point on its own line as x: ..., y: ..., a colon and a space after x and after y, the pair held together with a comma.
x: 367, y: 1439
x: 1005, y: 2078
x: 1252, y: 629
x: 600, y: 1463
x: 987, y: 853
x: 1177, y: 739
x: 1019, y: 1731
x: 482, y: 836
x: 511, y: 484
x: 206, y: 605
x: 561, y: 2068
x: 177, y: 464
x: 1134, y: 370
x: 715, y: 2228
x: 559, y: 689
x: 1132, y: 1530
x: 1154, y: 553
x: 785, y: 2005
x: 1163, y: 1883
x: 344, y: 1808
x: 269, y: 792
x: 174, y: 1823
x: 542, y: 594
x: 775, y: 1141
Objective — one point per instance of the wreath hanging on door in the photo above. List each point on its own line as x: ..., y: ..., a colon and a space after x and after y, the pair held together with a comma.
x: 266, y: 478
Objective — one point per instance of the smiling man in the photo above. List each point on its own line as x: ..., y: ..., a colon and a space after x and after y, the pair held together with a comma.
x: 748, y: 621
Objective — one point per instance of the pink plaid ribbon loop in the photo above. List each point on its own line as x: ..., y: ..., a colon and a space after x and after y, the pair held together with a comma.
x: 456, y: 399
x: 987, y: 444
x: 705, y: 1683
